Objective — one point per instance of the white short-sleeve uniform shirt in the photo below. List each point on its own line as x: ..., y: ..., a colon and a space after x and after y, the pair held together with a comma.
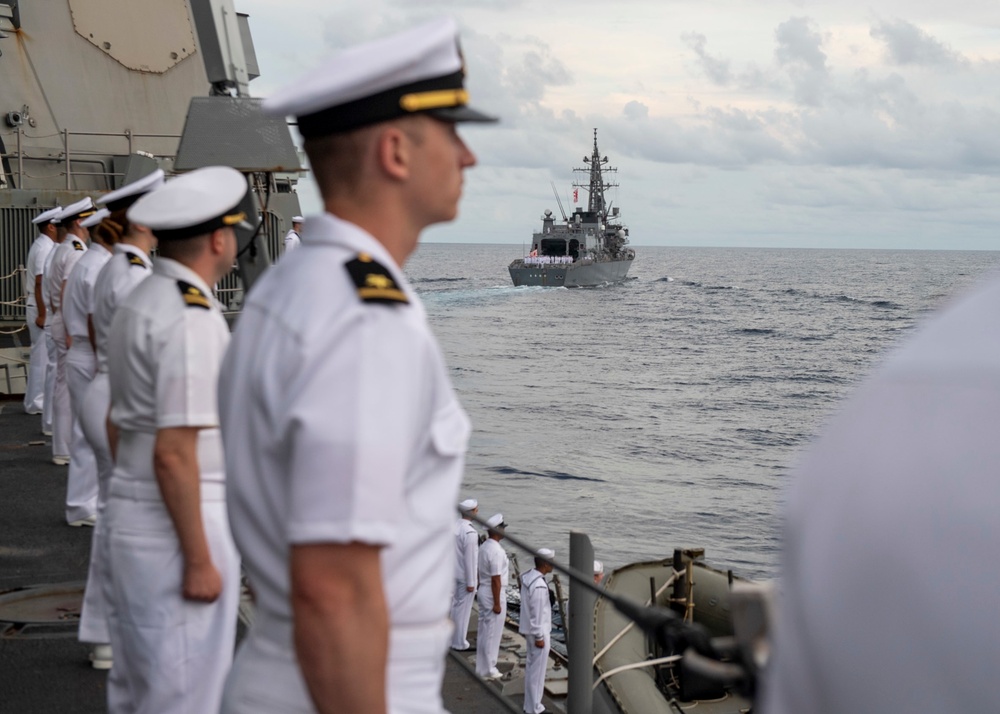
x: 292, y: 240
x: 493, y: 561
x: 37, y: 256
x: 342, y: 426
x: 163, y: 361
x: 128, y: 267
x: 79, y: 297
x: 64, y: 258
x: 889, y: 580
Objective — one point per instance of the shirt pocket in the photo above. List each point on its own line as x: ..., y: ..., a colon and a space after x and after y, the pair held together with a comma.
x: 434, y: 493
x: 450, y: 430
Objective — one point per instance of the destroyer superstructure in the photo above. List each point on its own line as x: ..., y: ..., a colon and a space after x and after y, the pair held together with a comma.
x: 97, y: 93
x: 587, y: 249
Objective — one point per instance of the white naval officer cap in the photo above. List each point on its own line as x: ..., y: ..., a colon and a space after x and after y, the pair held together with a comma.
x: 297, y: 219
x: 598, y: 567
x: 81, y: 209
x: 122, y: 198
x: 496, y: 521
x: 546, y: 553
x: 47, y: 216
x: 94, y: 218
x: 469, y: 504
x: 418, y: 70
x: 193, y: 204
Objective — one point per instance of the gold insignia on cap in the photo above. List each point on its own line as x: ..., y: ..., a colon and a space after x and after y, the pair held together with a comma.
x: 436, y: 99
x: 233, y: 219
x: 374, y: 281
x: 193, y: 296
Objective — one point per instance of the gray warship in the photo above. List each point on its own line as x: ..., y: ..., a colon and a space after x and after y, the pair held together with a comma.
x: 588, y: 248
x: 97, y: 93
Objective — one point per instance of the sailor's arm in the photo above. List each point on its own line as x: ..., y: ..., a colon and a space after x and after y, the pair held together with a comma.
x: 341, y: 625
x: 495, y: 586
x: 62, y: 308
x: 40, y: 320
x: 175, y: 461
x: 538, y: 596
x: 469, y: 551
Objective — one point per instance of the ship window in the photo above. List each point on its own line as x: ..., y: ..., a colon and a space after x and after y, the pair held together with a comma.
x: 553, y: 246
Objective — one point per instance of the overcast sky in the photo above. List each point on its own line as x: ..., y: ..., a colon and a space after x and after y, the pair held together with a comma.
x: 732, y: 122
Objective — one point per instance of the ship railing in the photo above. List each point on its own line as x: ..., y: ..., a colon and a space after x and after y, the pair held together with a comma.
x: 13, y: 300
x: 81, y: 156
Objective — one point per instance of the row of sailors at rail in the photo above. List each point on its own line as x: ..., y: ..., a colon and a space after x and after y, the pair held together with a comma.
x: 534, y: 258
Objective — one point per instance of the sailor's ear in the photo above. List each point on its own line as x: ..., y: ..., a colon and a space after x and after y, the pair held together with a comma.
x: 393, y: 147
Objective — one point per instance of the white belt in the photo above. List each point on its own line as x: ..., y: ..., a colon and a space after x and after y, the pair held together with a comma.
x: 81, y: 343
x: 405, y: 641
x: 135, y: 455
x: 150, y: 490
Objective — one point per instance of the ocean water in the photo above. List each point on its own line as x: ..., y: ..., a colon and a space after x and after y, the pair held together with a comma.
x: 667, y: 411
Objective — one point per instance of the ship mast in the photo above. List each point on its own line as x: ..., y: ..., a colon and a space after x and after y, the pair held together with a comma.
x: 596, y: 187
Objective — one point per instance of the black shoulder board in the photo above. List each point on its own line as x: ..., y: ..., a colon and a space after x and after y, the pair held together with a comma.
x: 193, y: 296
x: 77, y: 245
x: 134, y: 259
x: 374, y: 281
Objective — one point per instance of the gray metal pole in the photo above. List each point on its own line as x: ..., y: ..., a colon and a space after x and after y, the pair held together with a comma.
x: 69, y: 173
x: 580, y: 635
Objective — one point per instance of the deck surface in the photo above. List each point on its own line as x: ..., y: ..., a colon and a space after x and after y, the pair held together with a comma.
x: 48, y: 670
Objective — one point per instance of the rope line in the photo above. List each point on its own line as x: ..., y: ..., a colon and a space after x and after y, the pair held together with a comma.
x: 637, y: 665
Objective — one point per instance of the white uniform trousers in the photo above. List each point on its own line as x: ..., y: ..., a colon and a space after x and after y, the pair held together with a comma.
x: 488, y: 631
x: 534, y: 675
x: 62, y: 415
x: 266, y: 677
x: 50, y: 380
x: 81, y: 484
x: 171, y: 655
x: 93, y: 616
x: 461, y: 613
x: 34, y: 390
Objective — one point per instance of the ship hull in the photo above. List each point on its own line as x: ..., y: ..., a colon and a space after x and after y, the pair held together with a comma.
x: 574, y: 275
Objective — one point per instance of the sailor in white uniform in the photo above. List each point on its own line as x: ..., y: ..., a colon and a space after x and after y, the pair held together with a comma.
x: 175, y: 576
x: 536, y: 626
x: 293, y: 239
x: 128, y: 266
x: 888, y: 581
x: 44, y: 243
x: 64, y: 258
x: 50, y: 345
x: 347, y: 439
x: 466, y: 573
x: 494, y: 571
x: 81, y: 483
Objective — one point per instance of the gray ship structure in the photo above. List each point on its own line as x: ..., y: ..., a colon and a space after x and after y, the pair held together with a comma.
x: 589, y: 248
x: 94, y: 95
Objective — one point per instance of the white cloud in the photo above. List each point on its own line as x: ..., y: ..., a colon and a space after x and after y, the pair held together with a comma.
x: 800, y: 53
x: 799, y: 126
x: 905, y: 43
